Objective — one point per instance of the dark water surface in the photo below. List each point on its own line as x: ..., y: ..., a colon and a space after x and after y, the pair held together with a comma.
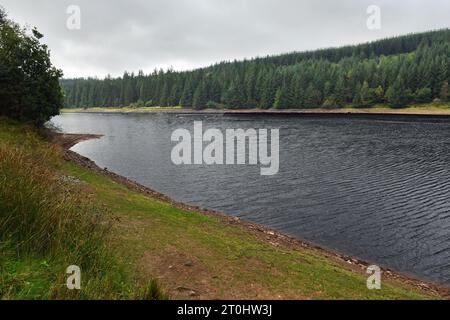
x: 377, y: 189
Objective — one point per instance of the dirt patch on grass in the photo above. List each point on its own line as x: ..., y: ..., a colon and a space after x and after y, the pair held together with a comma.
x: 186, y: 277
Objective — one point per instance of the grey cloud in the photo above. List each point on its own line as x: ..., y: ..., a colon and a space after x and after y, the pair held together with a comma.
x: 120, y: 35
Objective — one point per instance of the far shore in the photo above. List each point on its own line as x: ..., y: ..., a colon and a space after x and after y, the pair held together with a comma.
x: 441, y: 110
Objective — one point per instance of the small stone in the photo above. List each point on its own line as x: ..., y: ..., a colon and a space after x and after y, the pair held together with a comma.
x: 189, y: 264
x: 193, y: 294
x: 188, y: 291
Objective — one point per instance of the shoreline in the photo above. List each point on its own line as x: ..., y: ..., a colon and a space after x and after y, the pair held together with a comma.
x: 433, y: 112
x: 265, y: 234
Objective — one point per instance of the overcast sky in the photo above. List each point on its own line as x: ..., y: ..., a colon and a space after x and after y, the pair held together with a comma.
x: 118, y: 35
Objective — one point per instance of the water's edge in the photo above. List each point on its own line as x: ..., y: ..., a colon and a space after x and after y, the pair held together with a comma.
x: 266, y: 234
x: 408, y: 112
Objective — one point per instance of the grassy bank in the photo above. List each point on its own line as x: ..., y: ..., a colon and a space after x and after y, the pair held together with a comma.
x: 48, y: 223
x: 428, y: 108
x: 55, y: 213
x: 420, y: 109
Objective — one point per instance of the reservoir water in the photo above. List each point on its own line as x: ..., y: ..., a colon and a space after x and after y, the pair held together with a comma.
x: 377, y: 188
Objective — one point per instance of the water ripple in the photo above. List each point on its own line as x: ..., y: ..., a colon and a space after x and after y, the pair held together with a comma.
x: 376, y: 189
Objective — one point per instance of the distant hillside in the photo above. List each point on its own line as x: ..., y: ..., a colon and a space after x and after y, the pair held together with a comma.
x: 408, y: 69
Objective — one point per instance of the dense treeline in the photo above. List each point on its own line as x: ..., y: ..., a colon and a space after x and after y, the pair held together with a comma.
x: 29, y: 83
x: 397, y: 71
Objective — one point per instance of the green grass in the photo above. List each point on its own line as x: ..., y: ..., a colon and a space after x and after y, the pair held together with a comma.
x: 46, y: 225
x: 424, y: 107
x: 230, y: 252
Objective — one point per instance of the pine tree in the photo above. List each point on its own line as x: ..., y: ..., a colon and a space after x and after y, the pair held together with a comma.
x: 312, y: 97
x: 357, y: 99
x: 366, y: 94
x: 398, y: 71
x: 164, y: 98
x: 440, y: 75
x: 142, y: 92
x: 200, y: 100
x: 280, y: 99
x: 129, y: 94
x: 269, y: 91
x: 379, y: 94
x: 340, y: 92
x: 395, y: 94
x: 186, y: 100
x: 249, y: 85
x: 234, y: 97
x: 444, y: 94
x: 214, y: 91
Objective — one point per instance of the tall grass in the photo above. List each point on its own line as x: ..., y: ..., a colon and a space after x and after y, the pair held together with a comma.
x: 48, y: 223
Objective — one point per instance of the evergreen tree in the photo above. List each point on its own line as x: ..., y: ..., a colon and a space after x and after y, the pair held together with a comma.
x: 379, y: 94
x: 164, y: 97
x: 268, y: 92
x: 366, y: 94
x: 312, y: 98
x: 200, y: 97
x: 357, y: 100
x: 340, y: 92
x: 187, y: 95
x: 444, y: 94
x: 214, y: 92
x: 234, y: 97
x: 280, y: 99
x: 397, y: 71
x: 249, y: 86
x: 395, y: 94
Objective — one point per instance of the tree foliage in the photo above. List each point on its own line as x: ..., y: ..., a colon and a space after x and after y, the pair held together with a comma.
x: 29, y: 84
x: 402, y: 70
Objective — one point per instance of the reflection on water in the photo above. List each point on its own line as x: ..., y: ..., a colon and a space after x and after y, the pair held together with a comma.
x: 375, y: 189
